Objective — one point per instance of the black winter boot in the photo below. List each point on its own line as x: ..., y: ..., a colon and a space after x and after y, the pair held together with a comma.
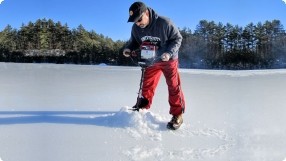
x: 140, y: 104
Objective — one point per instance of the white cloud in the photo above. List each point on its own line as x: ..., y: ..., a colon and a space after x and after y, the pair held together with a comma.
x: 284, y: 1
x: 1, y: 1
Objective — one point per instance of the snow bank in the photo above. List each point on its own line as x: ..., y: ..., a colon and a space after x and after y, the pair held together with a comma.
x: 137, y: 124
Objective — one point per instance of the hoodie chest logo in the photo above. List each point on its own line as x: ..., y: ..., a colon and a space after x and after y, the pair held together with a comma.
x: 151, y: 39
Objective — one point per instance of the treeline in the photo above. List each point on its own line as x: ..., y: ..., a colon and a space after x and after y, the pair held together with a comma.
x: 51, y: 42
x: 211, y: 45
x: 219, y: 46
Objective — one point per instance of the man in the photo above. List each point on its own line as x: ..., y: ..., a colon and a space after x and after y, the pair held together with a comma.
x: 152, y: 29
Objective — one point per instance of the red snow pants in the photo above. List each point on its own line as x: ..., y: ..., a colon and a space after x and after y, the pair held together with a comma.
x: 151, y: 78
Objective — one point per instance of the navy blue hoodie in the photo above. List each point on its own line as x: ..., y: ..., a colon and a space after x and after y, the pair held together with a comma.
x: 161, y: 32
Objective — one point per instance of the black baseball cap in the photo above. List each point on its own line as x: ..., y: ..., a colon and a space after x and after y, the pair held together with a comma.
x: 136, y: 10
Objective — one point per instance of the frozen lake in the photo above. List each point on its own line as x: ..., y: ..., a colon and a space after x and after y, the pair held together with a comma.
x: 73, y: 113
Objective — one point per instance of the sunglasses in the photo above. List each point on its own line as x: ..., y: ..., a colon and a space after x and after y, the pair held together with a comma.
x: 140, y: 19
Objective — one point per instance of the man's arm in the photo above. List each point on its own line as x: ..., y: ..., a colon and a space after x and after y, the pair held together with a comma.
x: 174, y: 40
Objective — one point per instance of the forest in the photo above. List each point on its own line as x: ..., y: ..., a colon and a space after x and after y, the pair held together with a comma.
x: 210, y: 46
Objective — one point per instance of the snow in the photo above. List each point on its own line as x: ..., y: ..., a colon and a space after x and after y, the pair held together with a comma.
x: 81, y: 113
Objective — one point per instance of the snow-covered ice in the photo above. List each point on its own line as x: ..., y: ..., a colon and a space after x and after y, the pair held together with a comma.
x: 74, y: 112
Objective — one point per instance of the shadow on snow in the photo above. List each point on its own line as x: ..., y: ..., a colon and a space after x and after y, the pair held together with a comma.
x: 120, y: 119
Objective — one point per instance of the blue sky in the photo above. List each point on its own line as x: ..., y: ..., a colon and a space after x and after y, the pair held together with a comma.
x: 109, y: 17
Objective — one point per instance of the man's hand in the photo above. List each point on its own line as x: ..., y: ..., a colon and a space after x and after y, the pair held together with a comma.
x: 165, y: 57
x: 126, y: 52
